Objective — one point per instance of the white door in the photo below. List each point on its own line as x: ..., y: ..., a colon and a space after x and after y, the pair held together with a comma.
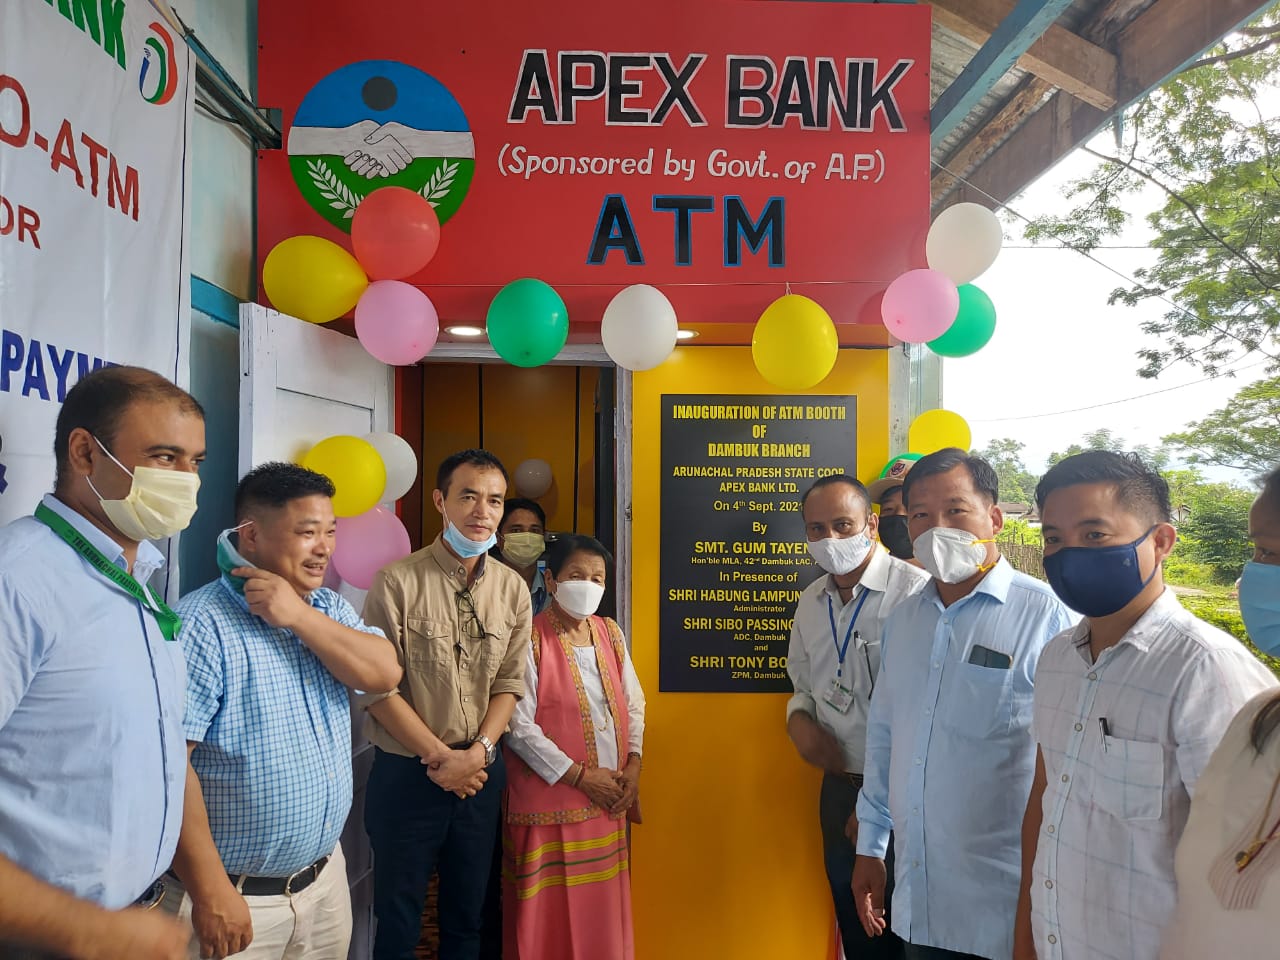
x: 300, y: 383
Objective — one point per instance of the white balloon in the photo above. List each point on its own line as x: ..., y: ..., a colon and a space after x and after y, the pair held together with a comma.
x: 964, y: 241
x: 400, y: 461
x: 639, y: 327
x: 533, y: 478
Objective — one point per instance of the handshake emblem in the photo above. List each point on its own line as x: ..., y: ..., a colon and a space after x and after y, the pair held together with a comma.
x: 379, y: 150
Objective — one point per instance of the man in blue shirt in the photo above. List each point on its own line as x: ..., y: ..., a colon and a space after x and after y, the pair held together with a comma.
x: 522, y: 540
x: 270, y: 655
x: 92, y: 679
x: 949, y: 756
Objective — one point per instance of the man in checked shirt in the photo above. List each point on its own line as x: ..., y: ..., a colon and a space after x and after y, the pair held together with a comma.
x: 1129, y: 704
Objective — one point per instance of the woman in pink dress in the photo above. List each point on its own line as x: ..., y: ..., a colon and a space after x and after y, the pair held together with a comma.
x: 573, y: 774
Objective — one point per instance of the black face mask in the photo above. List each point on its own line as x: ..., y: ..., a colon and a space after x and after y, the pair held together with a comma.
x: 894, y: 535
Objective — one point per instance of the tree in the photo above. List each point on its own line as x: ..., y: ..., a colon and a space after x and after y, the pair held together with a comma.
x: 1244, y: 435
x: 1205, y: 141
x: 1017, y: 484
x: 1107, y: 439
x: 1217, y: 532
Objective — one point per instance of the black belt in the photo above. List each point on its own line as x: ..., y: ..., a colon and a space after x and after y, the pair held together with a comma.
x: 152, y: 896
x: 279, y: 886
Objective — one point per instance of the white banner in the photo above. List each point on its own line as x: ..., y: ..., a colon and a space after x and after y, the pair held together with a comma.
x: 95, y: 120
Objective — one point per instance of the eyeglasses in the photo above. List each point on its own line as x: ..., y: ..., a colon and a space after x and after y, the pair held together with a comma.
x: 471, y: 623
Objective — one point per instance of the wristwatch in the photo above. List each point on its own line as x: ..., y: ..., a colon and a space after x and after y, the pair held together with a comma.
x: 490, y: 749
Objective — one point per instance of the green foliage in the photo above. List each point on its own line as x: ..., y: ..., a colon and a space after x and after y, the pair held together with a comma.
x: 1186, y: 573
x: 1217, y: 533
x: 1224, y: 614
x: 1017, y: 484
x: 1020, y: 531
x: 1206, y: 141
x: 1245, y: 434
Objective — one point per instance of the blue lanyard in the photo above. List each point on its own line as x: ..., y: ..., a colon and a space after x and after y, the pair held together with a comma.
x: 848, y: 634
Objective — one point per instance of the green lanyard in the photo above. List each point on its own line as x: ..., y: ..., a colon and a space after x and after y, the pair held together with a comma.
x: 166, y: 619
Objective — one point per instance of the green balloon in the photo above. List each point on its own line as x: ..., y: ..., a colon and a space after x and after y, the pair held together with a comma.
x: 527, y: 323
x: 975, y: 323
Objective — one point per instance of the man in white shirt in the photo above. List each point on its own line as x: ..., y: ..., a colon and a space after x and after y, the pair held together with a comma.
x: 833, y: 660
x: 1129, y: 705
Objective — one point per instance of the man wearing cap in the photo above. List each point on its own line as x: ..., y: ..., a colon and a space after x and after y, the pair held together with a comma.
x: 833, y: 660
x: 887, y: 494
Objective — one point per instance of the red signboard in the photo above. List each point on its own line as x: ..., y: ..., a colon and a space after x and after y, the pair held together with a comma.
x: 721, y: 151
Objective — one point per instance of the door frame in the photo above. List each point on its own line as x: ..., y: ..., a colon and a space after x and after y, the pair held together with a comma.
x: 573, y: 355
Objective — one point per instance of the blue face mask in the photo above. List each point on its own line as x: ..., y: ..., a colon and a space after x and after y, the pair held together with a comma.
x: 229, y: 558
x: 1097, y: 581
x: 463, y: 546
x: 1260, y: 605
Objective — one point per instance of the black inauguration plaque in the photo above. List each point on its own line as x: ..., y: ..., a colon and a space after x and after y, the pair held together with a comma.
x: 733, y: 556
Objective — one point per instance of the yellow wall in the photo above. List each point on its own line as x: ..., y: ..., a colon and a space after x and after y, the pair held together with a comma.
x: 526, y: 413
x: 728, y: 862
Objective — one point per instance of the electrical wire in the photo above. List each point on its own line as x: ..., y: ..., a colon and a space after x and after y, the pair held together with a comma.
x: 1112, y: 403
x: 1110, y: 269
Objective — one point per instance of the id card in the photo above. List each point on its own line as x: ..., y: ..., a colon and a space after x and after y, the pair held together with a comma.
x: 839, y: 697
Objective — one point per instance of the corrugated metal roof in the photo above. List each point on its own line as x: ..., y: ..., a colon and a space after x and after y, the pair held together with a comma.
x: 1098, y: 21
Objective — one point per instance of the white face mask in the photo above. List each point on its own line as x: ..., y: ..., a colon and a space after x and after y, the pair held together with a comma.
x: 160, y: 502
x: 951, y: 555
x: 841, y: 555
x: 579, y: 598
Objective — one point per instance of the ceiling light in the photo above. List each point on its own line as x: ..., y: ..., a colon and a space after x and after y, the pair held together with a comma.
x: 462, y: 330
x: 686, y: 334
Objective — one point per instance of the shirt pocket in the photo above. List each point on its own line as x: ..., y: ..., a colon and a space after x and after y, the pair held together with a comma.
x: 1129, y: 782
x: 428, y: 643
x: 979, y: 700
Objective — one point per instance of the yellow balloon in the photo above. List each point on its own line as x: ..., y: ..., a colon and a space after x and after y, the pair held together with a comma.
x: 935, y: 430
x: 312, y: 278
x: 356, y: 469
x: 794, y: 343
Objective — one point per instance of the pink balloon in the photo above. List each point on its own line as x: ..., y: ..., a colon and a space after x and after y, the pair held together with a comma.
x: 396, y: 323
x: 919, y: 306
x: 366, y: 543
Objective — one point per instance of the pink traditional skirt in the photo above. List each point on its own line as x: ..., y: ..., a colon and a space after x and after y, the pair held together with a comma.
x: 566, y: 891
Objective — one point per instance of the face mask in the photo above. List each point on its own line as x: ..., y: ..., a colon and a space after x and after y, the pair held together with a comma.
x: 841, y: 555
x: 462, y: 546
x: 894, y: 535
x: 1097, y: 581
x: 579, y: 598
x: 1260, y: 605
x: 229, y: 557
x: 522, y: 549
x: 951, y: 555
x: 160, y: 502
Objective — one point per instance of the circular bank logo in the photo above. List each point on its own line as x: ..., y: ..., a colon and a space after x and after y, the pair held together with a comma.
x: 380, y: 123
x: 158, y: 75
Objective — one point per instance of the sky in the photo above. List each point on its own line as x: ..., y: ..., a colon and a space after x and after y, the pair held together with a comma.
x: 1058, y: 346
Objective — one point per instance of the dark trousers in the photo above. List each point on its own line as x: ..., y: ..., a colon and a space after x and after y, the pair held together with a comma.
x: 917, y: 952
x: 837, y: 801
x: 416, y: 828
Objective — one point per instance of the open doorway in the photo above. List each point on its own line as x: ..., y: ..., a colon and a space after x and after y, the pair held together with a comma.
x: 563, y: 414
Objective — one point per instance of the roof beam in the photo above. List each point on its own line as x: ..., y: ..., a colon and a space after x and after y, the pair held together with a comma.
x: 1067, y: 61
x: 1165, y: 38
x: 1024, y: 24
x: 1024, y: 102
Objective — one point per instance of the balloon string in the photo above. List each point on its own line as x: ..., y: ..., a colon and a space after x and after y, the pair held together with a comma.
x: 788, y: 288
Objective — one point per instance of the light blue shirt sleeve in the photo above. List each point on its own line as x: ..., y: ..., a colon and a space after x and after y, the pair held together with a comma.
x: 22, y: 648
x: 340, y: 610
x: 202, y: 647
x: 874, y: 822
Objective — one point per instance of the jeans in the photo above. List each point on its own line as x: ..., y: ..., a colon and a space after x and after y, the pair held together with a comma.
x: 837, y: 801
x: 416, y: 828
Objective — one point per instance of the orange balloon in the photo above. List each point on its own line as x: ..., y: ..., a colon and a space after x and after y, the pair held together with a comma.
x: 394, y: 233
